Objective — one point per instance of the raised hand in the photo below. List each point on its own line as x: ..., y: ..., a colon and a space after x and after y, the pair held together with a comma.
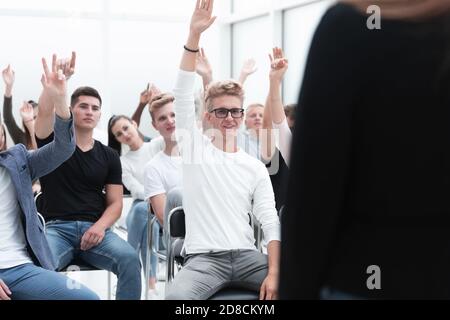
x: 203, y: 67
x: 26, y: 112
x: 54, y: 81
x: 249, y: 67
x: 67, y: 65
x: 9, y: 76
x: 145, y: 96
x: 202, y: 16
x: 278, y: 64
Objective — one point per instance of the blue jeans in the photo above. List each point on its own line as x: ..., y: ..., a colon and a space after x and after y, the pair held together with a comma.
x: 137, y: 222
x: 30, y: 282
x: 113, y: 254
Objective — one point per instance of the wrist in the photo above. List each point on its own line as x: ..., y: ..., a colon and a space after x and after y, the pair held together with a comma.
x: 8, y: 92
x: 28, y: 121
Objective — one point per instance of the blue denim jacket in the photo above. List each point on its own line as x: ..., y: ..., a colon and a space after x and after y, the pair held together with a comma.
x: 25, y: 166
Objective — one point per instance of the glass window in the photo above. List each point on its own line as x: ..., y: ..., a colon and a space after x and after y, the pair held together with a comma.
x: 252, y: 39
x: 152, y: 7
x: 299, y: 27
x: 50, y: 5
x: 248, y: 6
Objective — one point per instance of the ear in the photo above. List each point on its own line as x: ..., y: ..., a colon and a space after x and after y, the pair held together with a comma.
x: 207, y: 116
x: 134, y: 124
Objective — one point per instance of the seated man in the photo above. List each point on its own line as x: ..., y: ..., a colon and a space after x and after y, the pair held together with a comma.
x: 221, y: 185
x: 82, y: 199
x: 26, y: 262
x: 162, y: 180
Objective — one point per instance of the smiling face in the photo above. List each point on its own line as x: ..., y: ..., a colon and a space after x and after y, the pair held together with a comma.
x: 125, y: 132
x: 86, y: 112
x: 227, y: 126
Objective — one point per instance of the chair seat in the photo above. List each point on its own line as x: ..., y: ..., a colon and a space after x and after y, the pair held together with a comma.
x: 81, y: 266
x: 235, y: 294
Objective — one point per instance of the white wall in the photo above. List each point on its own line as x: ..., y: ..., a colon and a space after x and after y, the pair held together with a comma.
x: 120, y: 45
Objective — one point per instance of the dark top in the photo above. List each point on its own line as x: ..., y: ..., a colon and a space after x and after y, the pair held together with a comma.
x: 370, y: 167
x: 17, y: 134
x: 75, y: 191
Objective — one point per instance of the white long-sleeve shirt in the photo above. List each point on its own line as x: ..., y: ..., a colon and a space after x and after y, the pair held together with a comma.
x: 133, y: 166
x: 220, y: 189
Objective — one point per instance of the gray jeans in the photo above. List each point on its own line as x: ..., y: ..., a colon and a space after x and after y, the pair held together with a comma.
x: 205, y: 274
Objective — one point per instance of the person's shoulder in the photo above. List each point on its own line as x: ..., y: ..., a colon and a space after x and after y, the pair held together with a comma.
x: 108, y: 151
x: 342, y: 18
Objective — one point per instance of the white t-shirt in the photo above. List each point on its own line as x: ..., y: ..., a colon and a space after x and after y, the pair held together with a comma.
x: 220, y: 189
x: 133, y: 166
x: 13, y: 246
x: 162, y: 174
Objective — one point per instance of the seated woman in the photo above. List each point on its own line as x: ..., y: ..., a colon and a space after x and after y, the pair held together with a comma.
x: 123, y: 130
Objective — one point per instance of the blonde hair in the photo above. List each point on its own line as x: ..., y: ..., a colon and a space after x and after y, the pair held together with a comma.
x: 253, y: 105
x: 405, y: 9
x: 223, y: 88
x: 160, y: 101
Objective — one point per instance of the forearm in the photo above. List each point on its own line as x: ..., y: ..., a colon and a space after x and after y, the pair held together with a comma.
x: 267, y: 134
x: 110, y: 215
x: 207, y: 79
x: 276, y: 102
x: 138, y: 113
x: 61, y: 108
x: 273, y: 254
x: 30, y: 126
x: 45, y: 118
x: 188, y: 59
x: 17, y: 135
x: 242, y: 78
x: 8, y: 91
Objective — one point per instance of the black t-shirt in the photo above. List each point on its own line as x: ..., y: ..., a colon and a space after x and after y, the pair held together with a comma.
x: 75, y: 190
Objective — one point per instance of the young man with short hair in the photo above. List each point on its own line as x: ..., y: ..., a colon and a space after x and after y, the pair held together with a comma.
x: 82, y: 199
x: 221, y: 186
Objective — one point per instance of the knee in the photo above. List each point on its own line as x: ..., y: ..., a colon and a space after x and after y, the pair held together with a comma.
x: 129, y: 258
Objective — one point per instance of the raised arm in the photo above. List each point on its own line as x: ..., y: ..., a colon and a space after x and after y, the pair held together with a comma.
x: 248, y: 68
x: 278, y: 68
x: 45, y: 117
x: 17, y: 135
x: 50, y: 156
x: 27, y: 114
x: 144, y: 99
x: 274, y: 103
x: 201, y: 20
x: 204, y: 69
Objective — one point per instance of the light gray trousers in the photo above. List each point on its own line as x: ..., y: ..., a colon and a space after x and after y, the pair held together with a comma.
x: 205, y: 274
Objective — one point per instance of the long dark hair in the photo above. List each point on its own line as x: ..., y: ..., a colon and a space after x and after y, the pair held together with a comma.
x: 112, y: 141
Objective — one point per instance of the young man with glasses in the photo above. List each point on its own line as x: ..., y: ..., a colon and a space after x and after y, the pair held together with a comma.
x: 221, y: 185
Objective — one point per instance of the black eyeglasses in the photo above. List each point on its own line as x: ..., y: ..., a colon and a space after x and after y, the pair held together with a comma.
x: 222, y: 113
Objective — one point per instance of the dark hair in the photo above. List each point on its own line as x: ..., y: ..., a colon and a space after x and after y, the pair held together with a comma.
x: 84, y: 91
x: 289, y: 110
x: 112, y: 141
